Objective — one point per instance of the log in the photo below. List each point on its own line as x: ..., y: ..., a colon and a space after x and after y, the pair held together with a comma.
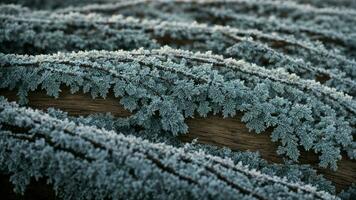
x: 215, y: 130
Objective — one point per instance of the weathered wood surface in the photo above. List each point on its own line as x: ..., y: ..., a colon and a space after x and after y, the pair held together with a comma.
x: 229, y: 132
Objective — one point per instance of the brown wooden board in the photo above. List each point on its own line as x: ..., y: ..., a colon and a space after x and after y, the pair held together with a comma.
x: 216, y: 130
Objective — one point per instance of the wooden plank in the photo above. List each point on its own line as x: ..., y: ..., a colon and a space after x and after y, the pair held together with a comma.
x: 232, y: 133
x: 215, y: 130
x: 75, y: 104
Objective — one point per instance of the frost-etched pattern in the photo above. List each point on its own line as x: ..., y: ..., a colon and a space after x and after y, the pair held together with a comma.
x: 293, y: 172
x: 175, y: 84
x: 83, y: 162
x: 274, y: 76
x: 68, y: 32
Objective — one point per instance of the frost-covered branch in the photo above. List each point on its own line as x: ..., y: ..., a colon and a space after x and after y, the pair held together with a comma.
x: 164, y: 87
x: 78, y: 32
x: 101, y: 164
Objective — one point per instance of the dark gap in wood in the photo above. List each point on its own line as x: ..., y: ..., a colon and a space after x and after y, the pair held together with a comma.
x: 14, y: 129
x: 322, y: 78
x: 37, y: 190
x: 168, y: 40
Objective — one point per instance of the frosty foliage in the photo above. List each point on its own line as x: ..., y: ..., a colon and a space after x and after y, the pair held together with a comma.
x: 286, y: 68
x: 252, y: 15
x: 349, y: 193
x: 164, y: 87
x: 84, y: 32
x: 45, y: 4
x: 293, y: 172
x: 329, y: 3
x: 84, y: 162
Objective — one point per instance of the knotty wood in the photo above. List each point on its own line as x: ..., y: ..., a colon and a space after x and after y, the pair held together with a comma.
x: 215, y: 130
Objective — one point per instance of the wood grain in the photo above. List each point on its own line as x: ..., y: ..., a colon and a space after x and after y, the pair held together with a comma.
x: 216, y: 130
x: 232, y: 133
x: 75, y: 104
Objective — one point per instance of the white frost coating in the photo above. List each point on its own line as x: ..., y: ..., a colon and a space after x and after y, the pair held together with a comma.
x: 177, y: 83
x: 114, y: 155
